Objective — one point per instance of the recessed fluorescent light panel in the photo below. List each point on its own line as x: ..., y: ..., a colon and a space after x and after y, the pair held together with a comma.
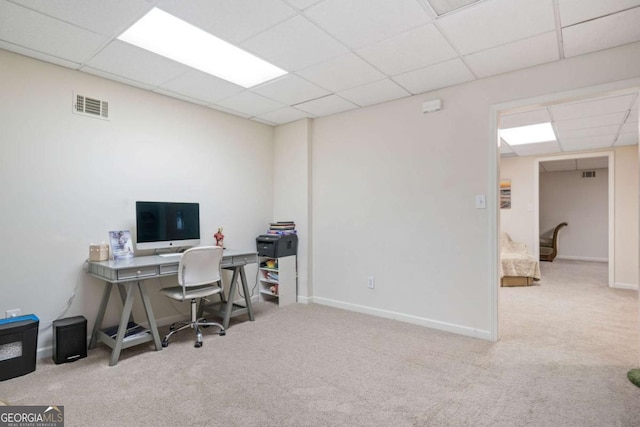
x: 445, y: 6
x: 166, y: 35
x: 542, y: 132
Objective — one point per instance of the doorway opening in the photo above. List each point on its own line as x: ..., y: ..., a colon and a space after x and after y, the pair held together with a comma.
x: 530, y: 217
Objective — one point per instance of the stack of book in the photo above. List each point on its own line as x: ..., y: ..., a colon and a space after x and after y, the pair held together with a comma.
x: 282, y: 228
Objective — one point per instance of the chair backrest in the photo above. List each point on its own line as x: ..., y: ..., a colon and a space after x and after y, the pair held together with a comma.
x: 199, y: 266
x: 555, y: 234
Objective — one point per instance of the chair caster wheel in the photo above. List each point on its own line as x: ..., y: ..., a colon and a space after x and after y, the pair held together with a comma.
x: 198, y: 345
x: 204, y: 321
x: 172, y: 328
x: 222, y: 333
x: 165, y: 343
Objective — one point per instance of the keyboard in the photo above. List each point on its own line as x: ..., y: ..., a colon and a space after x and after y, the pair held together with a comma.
x: 171, y: 255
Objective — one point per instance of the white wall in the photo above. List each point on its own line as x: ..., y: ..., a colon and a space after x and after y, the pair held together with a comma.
x: 394, y: 194
x: 518, y: 220
x: 291, y: 191
x: 627, y: 212
x: 584, y: 204
x: 67, y: 180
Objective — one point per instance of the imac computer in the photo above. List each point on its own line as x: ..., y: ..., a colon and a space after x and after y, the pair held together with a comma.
x: 167, y: 225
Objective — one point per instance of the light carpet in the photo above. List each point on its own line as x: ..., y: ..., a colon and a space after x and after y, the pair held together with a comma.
x: 566, y: 346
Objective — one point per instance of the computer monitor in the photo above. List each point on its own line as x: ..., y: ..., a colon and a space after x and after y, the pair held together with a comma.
x: 166, y: 225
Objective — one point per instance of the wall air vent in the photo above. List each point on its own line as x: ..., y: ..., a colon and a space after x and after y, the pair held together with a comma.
x: 90, y: 107
x: 589, y: 174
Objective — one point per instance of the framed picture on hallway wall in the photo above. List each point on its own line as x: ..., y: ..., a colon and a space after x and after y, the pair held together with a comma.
x: 505, y: 194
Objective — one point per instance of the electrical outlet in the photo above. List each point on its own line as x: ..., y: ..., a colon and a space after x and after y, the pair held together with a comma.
x: 13, y: 313
x: 372, y: 283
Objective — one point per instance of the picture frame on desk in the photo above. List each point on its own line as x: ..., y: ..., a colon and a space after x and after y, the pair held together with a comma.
x: 121, y: 244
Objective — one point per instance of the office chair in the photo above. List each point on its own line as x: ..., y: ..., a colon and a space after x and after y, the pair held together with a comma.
x: 198, y: 277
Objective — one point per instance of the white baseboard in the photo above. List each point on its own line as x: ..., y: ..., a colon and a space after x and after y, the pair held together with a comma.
x: 429, y: 323
x: 629, y: 286
x: 582, y: 258
x: 304, y: 300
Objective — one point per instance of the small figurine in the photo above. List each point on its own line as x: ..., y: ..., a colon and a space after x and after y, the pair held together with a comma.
x: 219, y: 238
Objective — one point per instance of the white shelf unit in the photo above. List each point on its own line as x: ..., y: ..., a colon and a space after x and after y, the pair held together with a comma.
x: 282, y: 276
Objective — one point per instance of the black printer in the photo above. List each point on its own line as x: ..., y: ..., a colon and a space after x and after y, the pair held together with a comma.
x: 276, y: 245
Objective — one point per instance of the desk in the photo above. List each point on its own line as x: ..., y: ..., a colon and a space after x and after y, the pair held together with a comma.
x: 132, y: 273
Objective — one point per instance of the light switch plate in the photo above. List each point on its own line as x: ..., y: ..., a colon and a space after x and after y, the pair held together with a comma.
x: 481, y: 201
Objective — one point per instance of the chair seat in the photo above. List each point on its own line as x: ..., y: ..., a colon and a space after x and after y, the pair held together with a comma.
x: 545, y: 250
x: 175, y: 292
x: 546, y: 242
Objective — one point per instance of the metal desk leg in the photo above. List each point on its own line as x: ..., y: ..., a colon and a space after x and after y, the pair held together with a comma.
x: 146, y: 302
x: 247, y: 296
x: 123, y: 297
x: 100, y: 316
x: 232, y: 293
x: 124, y: 320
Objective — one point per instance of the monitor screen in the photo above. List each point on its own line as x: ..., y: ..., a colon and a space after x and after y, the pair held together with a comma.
x: 162, y: 225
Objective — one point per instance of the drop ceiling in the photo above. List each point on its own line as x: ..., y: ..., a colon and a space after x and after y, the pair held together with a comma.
x: 339, y: 54
x: 587, y: 124
x: 581, y: 164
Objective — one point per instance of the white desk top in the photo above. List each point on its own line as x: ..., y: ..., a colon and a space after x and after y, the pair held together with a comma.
x: 147, y: 260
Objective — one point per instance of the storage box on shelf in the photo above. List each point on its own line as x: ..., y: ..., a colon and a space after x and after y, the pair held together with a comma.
x: 277, y: 279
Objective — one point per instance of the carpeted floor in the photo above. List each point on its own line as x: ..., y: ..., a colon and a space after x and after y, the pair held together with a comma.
x: 566, y: 346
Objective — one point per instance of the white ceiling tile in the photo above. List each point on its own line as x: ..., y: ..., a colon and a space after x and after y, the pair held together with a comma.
x: 590, y: 143
x: 596, y: 107
x: 180, y: 96
x: 537, y: 148
x: 202, y: 86
x: 374, y: 93
x: 230, y: 111
x: 341, y: 73
x: 504, y: 147
x: 361, y: 22
x: 626, y: 139
x: 593, y: 163
x: 294, y: 44
x: 230, y: 20
x: 24, y: 27
x: 574, y: 11
x: 560, y: 165
x: 634, y: 114
x: 106, y: 18
x: 587, y: 132
x: 629, y: 127
x: 603, y: 33
x: 284, y: 115
x: 493, y: 23
x: 588, y: 122
x: 437, y: 76
x: 526, y: 118
x: 302, y: 4
x: 38, y: 55
x: 409, y: 51
x: 250, y: 104
x: 328, y: 105
x: 290, y: 89
x: 137, y: 64
x: 117, y: 78
x: 263, y: 121
x: 517, y: 55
